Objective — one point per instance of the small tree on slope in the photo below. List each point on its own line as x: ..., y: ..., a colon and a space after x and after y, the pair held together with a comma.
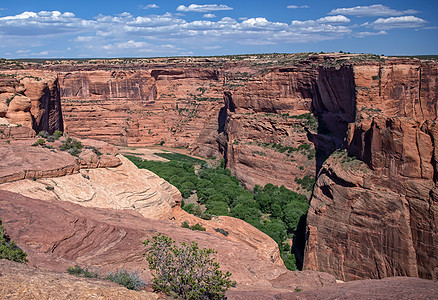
x: 186, y: 270
x: 8, y: 249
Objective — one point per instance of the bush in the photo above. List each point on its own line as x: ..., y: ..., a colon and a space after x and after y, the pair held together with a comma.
x: 130, y: 280
x: 82, y: 272
x: 8, y: 249
x: 72, y: 146
x: 186, y: 270
x: 43, y: 134
x: 39, y: 142
x: 197, y: 226
x: 57, y: 134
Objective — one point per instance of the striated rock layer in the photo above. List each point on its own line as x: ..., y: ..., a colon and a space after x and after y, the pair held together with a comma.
x: 29, y: 101
x: 375, y: 214
x: 109, y: 239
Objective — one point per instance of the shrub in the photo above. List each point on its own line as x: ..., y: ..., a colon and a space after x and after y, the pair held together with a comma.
x: 130, y: 280
x: 72, y: 146
x: 43, y: 134
x: 82, y: 272
x: 186, y: 270
x: 197, y: 226
x: 57, y: 134
x: 8, y: 249
x: 185, y: 224
x: 39, y: 142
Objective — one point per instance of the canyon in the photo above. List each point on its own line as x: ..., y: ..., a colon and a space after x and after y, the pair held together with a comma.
x: 362, y: 125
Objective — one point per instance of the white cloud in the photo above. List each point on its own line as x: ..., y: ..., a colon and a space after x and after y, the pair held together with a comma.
x: 203, y: 8
x: 84, y: 39
x: 125, y: 34
x: 368, y: 33
x: 326, y: 20
x: 149, y: 6
x: 334, y: 19
x: 375, y: 10
x: 396, y: 22
x: 42, y: 23
x: 131, y: 44
x: 297, y: 6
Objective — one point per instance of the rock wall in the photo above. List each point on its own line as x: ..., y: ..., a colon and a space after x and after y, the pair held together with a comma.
x: 29, y: 101
x: 140, y: 107
x: 382, y: 213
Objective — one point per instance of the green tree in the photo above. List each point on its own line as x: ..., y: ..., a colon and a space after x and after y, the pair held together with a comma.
x: 217, y: 208
x: 8, y: 249
x: 186, y: 270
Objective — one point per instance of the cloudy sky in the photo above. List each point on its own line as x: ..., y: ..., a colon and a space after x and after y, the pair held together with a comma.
x: 135, y: 28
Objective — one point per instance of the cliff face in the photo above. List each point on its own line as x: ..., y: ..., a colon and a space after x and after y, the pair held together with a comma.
x: 140, y: 107
x: 31, y: 102
x: 383, y: 212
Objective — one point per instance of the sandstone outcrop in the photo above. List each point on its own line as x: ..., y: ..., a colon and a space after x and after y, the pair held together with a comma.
x: 29, y: 101
x: 109, y: 239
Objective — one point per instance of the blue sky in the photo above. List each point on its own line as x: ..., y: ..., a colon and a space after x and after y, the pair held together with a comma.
x: 133, y: 28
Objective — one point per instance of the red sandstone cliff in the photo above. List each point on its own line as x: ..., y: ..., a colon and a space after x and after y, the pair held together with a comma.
x: 379, y: 218
x: 29, y: 102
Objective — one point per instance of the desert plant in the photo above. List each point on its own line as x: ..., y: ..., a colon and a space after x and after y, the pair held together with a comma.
x: 72, y: 146
x: 43, y: 134
x: 39, y: 142
x: 185, y: 224
x: 197, y: 226
x: 82, y: 272
x: 8, y: 249
x: 57, y: 134
x: 130, y: 280
x: 186, y: 270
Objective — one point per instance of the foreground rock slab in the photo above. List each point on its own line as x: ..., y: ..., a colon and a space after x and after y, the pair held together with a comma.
x: 58, y: 234
x: 18, y: 281
x: 387, y: 288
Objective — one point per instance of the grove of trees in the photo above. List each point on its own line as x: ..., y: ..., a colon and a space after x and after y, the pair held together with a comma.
x: 274, y: 210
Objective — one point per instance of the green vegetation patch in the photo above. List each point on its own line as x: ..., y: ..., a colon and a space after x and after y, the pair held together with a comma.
x: 274, y: 210
x: 307, y: 182
x: 195, y: 227
x: 130, y: 280
x: 172, y: 156
x: 8, y: 249
x: 309, y: 120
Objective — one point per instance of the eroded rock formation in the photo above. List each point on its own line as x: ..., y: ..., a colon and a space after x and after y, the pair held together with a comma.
x: 29, y: 101
x: 110, y: 239
x: 382, y: 213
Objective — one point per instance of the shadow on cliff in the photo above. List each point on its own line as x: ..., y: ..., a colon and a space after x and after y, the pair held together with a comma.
x: 334, y: 106
x: 49, y: 117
